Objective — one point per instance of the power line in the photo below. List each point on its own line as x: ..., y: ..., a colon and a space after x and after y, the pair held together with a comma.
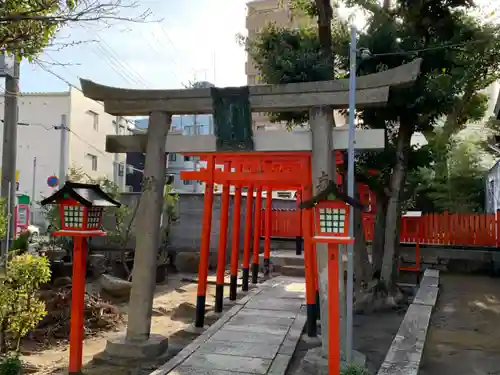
x: 122, y: 64
x: 77, y: 88
x: 437, y: 48
x: 101, y: 53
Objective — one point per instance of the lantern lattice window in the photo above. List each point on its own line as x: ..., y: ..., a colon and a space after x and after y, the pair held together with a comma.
x: 73, y: 216
x: 94, y: 217
x: 332, y: 220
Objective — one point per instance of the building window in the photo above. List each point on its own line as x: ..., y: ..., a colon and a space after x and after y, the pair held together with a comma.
x: 95, y: 119
x: 172, y: 157
x: 187, y: 182
x: 93, y: 161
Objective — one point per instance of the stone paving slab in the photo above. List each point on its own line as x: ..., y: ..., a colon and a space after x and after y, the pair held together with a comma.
x: 229, y: 363
x: 265, y: 313
x: 261, y: 320
x: 257, y: 336
x: 248, y: 337
x: 187, y: 370
x: 283, y: 304
x: 263, y: 350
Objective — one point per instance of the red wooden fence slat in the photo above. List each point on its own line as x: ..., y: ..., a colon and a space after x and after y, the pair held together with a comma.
x: 444, y: 229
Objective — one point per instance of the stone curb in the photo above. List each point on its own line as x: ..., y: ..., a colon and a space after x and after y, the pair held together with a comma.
x: 405, y: 353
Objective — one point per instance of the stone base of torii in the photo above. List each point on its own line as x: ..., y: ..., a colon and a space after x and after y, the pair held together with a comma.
x: 320, y: 98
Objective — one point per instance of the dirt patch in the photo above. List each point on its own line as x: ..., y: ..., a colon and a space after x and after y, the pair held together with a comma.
x: 464, y: 331
x: 173, y: 311
x: 373, y: 335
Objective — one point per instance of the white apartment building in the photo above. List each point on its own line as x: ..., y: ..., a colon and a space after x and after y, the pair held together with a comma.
x: 39, y: 138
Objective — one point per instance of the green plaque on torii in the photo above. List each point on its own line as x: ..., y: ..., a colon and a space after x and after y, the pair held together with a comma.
x: 232, y: 118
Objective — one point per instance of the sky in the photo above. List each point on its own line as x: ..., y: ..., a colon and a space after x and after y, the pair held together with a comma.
x: 193, y: 40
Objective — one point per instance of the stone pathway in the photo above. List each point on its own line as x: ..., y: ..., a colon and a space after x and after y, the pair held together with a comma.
x: 257, y: 336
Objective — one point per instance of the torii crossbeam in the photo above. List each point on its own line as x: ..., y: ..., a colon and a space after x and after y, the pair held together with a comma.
x: 160, y: 105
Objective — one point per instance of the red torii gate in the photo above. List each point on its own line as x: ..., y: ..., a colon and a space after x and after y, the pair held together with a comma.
x: 255, y: 171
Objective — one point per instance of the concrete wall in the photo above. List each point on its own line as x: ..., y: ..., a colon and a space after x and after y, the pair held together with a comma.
x: 186, y: 232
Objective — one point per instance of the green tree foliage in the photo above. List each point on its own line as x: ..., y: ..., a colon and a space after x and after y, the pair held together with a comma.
x: 20, y: 308
x: 461, y: 189
x: 28, y: 26
x: 453, y: 47
x: 10, y: 364
x: 123, y: 216
x: 3, y: 219
x: 288, y: 56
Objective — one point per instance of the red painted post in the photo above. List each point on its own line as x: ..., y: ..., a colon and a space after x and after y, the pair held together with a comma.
x: 333, y: 311
x: 205, y: 245
x: 256, y: 236
x: 298, y: 239
x: 77, y: 305
x: 235, y: 243
x: 267, y: 231
x: 314, y: 266
x: 221, y: 254
x: 247, y: 239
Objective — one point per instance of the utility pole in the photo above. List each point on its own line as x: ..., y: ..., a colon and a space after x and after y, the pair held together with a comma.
x: 63, y: 149
x: 116, y: 159
x: 33, y: 190
x: 9, y: 151
x: 350, y: 192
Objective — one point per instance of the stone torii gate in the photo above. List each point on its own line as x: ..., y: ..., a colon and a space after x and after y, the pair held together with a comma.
x: 317, y: 97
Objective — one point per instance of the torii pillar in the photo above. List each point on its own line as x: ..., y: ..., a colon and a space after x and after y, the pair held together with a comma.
x: 318, y: 97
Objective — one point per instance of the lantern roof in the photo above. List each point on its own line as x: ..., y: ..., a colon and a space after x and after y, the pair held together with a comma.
x: 90, y: 195
x: 331, y: 192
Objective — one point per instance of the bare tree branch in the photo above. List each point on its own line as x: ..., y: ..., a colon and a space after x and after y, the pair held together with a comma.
x: 28, y: 26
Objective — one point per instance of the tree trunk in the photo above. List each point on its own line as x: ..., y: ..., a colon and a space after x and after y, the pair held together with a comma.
x: 3, y: 337
x: 379, y: 233
x: 325, y: 15
x: 398, y: 176
x: 362, y: 266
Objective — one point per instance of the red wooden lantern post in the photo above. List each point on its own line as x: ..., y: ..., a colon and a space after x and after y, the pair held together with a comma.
x: 331, y: 226
x: 81, y: 207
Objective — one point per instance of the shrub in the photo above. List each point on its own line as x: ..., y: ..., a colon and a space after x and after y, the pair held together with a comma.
x: 354, y: 370
x: 21, y: 243
x: 20, y: 308
x: 10, y: 365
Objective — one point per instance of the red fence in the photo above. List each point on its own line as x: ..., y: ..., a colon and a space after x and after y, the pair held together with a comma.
x: 284, y: 223
x: 431, y: 229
